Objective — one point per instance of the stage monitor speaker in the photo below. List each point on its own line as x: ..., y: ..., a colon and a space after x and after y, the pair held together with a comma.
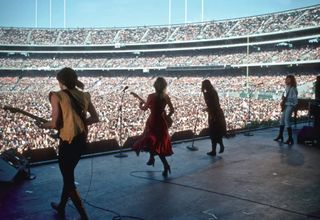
x: 11, y: 163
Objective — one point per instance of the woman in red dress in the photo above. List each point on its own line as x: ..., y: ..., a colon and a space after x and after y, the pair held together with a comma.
x: 155, y: 137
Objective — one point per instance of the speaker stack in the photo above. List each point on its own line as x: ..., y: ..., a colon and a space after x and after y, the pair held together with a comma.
x: 12, y: 163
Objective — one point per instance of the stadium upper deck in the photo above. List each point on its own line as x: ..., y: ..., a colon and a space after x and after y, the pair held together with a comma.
x: 298, y: 19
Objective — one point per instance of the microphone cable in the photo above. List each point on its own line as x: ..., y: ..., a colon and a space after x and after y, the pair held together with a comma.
x: 117, y: 216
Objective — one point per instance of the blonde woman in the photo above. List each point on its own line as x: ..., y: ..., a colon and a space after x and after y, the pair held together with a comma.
x: 155, y: 138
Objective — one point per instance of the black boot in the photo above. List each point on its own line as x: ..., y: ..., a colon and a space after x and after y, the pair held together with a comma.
x: 213, y: 151
x: 151, y: 160
x: 221, y: 147
x: 290, y: 139
x: 60, y: 207
x: 74, y: 195
x: 60, y: 210
x: 166, y: 166
x: 280, y: 136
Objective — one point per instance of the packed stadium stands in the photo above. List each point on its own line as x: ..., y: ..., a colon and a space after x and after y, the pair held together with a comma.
x: 280, y: 43
x: 275, y: 22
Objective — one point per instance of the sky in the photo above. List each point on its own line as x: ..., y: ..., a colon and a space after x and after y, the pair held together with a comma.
x: 127, y: 13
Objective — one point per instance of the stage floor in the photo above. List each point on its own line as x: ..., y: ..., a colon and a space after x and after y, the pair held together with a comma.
x: 255, y: 178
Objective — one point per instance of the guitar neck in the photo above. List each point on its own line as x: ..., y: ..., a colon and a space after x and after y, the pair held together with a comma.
x: 33, y: 116
x: 138, y: 97
x: 14, y: 110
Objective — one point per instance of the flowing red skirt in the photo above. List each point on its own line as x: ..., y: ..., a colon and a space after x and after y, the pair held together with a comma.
x: 155, y: 138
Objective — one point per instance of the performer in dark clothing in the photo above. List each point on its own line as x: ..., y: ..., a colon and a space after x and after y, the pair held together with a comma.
x: 317, y: 89
x: 216, y: 119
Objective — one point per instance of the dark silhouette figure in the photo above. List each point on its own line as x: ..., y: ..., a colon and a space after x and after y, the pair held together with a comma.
x: 69, y: 107
x: 288, y: 102
x: 216, y: 119
x: 155, y: 138
x: 317, y: 89
x: 316, y: 112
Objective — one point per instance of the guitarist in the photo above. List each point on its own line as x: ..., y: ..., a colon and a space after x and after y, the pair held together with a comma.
x: 288, y: 102
x: 155, y: 137
x: 69, y: 108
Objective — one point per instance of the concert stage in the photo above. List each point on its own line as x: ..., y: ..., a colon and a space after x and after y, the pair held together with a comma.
x: 255, y: 178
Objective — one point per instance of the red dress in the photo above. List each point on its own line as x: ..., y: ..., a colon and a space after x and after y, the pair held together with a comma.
x: 155, y: 137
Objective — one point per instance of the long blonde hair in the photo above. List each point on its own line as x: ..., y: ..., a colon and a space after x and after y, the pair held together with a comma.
x: 160, y: 86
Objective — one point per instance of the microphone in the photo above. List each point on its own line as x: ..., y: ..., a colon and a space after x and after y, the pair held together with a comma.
x: 125, y: 88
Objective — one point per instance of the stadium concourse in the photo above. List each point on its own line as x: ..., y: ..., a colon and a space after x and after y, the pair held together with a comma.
x: 255, y: 178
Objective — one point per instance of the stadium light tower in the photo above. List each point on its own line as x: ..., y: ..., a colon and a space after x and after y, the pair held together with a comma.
x: 64, y: 13
x: 36, y: 13
x: 202, y: 7
x: 185, y: 11
x: 169, y: 12
x: 50, y: 15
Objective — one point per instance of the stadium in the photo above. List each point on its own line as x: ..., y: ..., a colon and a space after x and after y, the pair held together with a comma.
x: 245, y: 58
x: 110, y: 59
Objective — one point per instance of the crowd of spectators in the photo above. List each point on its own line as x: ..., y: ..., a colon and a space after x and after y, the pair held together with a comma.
x: 31, y: 95
x: 177, y: 59
x: 268, y: 23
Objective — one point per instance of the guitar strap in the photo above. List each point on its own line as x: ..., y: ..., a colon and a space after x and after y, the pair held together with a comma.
x: 77, y: 107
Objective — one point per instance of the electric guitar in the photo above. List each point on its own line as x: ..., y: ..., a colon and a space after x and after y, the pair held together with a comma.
x: 167, y: 117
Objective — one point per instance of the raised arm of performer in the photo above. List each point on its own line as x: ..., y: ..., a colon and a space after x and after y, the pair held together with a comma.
x: 69, y: 119
x: 289, y: 102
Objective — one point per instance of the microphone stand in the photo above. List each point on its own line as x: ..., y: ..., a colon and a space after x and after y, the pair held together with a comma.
x: 192, y: 147
x: 248, y: 126
x: 30, y: 176
x: 248, y: 94
x: 120, y: 113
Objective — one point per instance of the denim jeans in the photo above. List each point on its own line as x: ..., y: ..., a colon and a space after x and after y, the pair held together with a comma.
x: 285, y: 118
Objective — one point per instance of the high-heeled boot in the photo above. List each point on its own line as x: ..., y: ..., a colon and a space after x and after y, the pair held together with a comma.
x: 75, y: 197
x: 280, y: 135
x: 290, y: 139
x: 151, y: 160
x: 213, y: 151
x: 221, y: 147
x: 60, y: 207
x: 165, y: 166
x: 166, y: 170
